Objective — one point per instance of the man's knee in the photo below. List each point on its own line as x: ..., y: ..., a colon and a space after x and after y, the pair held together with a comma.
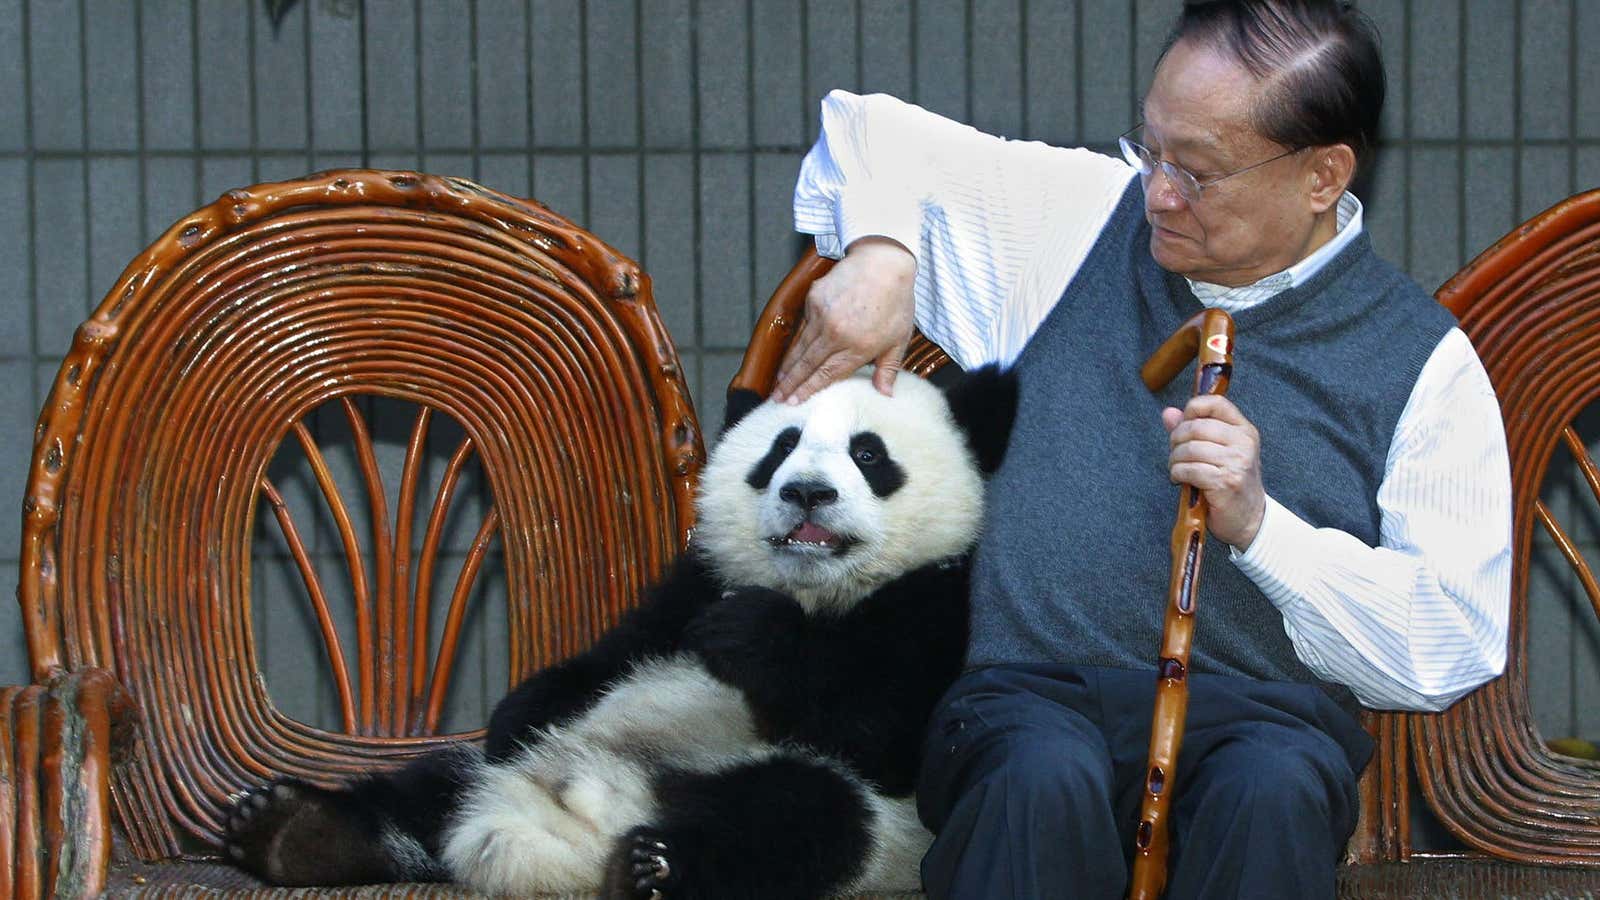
x: 1046, y: 772
x: 1283, y: 786
x: 1038, y: 822
x: 1042, y: 765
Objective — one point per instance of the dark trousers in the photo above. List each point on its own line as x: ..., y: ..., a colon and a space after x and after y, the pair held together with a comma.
x: 1032, y: 778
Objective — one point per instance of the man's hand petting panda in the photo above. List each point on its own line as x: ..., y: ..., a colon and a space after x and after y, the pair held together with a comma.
x: 747, y: 635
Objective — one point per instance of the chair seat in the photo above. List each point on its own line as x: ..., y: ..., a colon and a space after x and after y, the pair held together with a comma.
x: 1416, y: 880
x: 1426, y: 879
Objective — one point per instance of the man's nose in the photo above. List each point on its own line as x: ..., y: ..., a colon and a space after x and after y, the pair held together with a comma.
x: 1160, y: 194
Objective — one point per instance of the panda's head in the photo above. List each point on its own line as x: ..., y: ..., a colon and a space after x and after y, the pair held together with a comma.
x: 829, y: 500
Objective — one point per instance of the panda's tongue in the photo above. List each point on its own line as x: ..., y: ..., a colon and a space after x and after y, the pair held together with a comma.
x: 812, y: 533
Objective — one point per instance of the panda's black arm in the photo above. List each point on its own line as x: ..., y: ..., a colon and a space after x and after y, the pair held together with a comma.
x: 861, y: 685
x: 560, y: 692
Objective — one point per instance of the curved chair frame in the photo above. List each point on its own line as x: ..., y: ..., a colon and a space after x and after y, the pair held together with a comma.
x: 1531, y: 304
x: 150, y: 460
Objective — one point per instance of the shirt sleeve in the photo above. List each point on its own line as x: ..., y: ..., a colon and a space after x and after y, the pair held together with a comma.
x: 997, y: 226
x: 1421, y: 619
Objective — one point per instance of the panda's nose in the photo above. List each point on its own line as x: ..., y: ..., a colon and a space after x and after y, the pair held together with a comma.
x: 807, y: 495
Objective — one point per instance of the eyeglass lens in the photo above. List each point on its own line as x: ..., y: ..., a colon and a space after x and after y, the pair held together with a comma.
x: 1140, y: 158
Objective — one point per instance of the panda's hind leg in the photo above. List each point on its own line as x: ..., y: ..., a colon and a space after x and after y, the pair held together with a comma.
x: 786, y: 826
x: 289, y: 832
x: 381, y: 828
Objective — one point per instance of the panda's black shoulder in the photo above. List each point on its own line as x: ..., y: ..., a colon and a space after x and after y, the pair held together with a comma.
x: 933, y: 597
x: 946, y: 576
x: 687, y: 587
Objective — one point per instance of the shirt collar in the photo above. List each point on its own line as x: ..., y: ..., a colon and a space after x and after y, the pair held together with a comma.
x: 1347, y: 223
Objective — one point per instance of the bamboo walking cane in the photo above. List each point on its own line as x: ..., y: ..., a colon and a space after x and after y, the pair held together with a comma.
x: 1208, y: 336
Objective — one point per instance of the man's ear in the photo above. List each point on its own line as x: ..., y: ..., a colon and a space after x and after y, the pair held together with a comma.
x: 1332, y: 169
x: 740, y: 402
x: 984, y: 404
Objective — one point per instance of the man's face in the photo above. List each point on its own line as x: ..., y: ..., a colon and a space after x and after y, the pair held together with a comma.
x: 1197, y: 116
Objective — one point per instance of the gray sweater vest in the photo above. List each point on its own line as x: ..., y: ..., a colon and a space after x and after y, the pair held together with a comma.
x: 1073, y: 563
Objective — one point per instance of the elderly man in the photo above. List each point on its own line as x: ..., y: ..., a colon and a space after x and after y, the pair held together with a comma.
x: 1358, y: 476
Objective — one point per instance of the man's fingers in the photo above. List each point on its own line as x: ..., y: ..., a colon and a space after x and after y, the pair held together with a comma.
x: 824, y: 375
x: 798, y: 362
x: 1210, y: 451
x: 854, y: 314
x: 1214, y: 430
x: 887, y: 367
x: 1204, y: 476
x: 1214, y: 406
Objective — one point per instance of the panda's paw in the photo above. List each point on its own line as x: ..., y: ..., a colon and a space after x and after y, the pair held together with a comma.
x: 749, y: 632
x: 289, y: 832
x: 257, y: 824
x: 642, y: 867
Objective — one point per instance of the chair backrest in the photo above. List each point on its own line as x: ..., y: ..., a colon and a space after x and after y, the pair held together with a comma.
x: 1531, y: 305
x: 150, y: 468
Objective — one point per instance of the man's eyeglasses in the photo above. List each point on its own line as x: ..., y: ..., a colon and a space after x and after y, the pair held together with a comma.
x: 1189, y: 187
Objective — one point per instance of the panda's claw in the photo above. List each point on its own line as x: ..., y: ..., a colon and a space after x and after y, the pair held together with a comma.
x: 642, y: 868
x: 651, y: 868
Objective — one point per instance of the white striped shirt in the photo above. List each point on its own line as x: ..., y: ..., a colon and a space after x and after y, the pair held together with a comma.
x: 1000, y: 227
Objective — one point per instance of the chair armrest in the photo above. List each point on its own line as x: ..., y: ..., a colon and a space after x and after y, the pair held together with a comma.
x: 55, y: 784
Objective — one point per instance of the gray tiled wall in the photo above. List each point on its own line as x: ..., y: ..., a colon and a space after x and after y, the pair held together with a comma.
x: 674, y: 129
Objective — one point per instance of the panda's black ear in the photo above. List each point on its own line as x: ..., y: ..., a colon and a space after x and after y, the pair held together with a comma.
x: 984, y: 403
x: 740, y: 402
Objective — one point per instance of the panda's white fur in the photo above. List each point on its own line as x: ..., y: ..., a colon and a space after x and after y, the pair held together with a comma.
x: 545, y: 820
x: 549, y: 815
x: 936, y: 514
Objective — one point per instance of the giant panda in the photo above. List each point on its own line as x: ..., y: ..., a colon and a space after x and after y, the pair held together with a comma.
x: 753, y: 728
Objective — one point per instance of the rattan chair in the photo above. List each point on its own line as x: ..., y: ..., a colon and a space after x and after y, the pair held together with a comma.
x: 147, y: 709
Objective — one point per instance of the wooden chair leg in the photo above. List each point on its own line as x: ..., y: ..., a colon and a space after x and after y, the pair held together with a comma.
x: 55, y: 785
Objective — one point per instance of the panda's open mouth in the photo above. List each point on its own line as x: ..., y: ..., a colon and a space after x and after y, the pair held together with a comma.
x: 812, y: 538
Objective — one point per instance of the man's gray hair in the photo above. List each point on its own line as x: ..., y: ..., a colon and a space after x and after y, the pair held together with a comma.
x: 1318, y: 62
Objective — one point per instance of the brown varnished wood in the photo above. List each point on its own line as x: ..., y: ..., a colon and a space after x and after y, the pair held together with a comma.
x: 1206, y: 340
x: 422, y: 601
x: 537, y: 338
x: 1531, y: 305
x: 1569, y: 550
x: 56, y: 744
x: 340, y: 671
x: 9, y: 806
x: 28, y: 842
x: 444, y: 665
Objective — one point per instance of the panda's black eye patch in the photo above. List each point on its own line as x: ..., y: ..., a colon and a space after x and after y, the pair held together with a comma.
x: 782, y: 446
x: 882, y: 473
